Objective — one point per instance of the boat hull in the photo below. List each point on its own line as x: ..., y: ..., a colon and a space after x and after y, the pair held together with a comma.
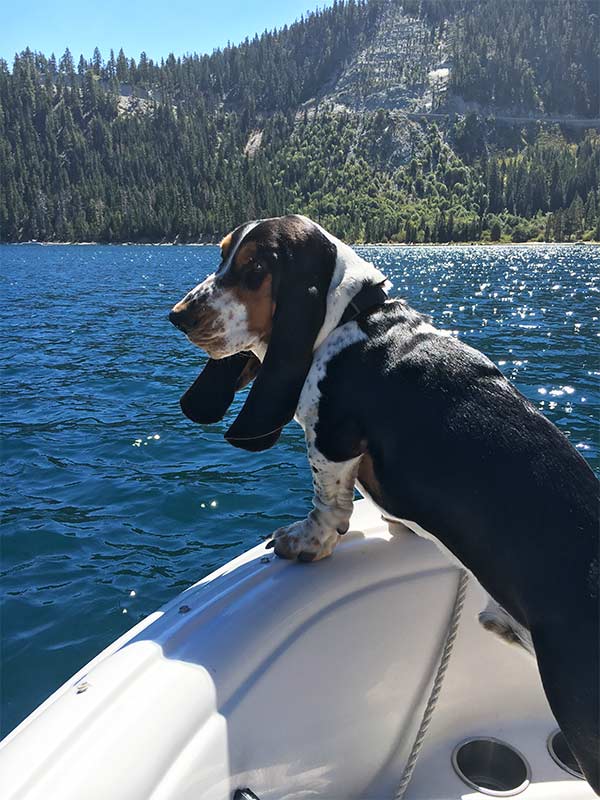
x: 295, y: 680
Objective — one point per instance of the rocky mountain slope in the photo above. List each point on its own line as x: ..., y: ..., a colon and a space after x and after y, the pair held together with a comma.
x: 485, y: 56
x: 405, y: 64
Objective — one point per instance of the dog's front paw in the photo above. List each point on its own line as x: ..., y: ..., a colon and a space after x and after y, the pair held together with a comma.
x: 306, y: 540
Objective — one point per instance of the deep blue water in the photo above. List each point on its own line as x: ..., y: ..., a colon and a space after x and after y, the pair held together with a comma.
x: 107, y: 490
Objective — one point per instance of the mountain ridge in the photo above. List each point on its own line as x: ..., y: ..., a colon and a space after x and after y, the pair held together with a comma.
x: 349, y: 115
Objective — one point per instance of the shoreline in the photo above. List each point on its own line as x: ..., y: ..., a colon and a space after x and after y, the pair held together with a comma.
x: 577, y: 243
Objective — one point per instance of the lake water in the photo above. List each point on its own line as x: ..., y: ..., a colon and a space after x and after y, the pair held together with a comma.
x: 113, y: 502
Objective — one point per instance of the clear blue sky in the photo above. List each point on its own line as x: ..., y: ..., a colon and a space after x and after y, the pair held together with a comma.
x: 156, y: 26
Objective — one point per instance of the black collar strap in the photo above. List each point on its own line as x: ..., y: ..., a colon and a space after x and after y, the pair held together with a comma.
x: 371, y: 295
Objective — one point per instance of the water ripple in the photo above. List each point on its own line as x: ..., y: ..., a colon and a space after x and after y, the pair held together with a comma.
x: 112, y: 501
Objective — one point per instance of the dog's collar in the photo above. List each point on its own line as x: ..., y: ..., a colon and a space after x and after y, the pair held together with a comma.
x: 371, y: 295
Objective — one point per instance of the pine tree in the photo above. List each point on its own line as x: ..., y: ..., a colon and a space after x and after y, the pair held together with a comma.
x: 590, y: 213
x: 66, y: 65
x: 97, y: 61
x: 122, y: 67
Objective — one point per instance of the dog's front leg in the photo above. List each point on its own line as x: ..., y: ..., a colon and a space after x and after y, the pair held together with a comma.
x: 316, y: 536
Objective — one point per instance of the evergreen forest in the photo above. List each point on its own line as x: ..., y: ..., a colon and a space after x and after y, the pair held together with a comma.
x: 112, y: 148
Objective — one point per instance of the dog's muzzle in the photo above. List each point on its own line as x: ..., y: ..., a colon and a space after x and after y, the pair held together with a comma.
x: 178, y: 318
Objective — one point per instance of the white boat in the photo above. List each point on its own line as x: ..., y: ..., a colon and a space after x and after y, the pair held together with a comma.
x: 301, y: 681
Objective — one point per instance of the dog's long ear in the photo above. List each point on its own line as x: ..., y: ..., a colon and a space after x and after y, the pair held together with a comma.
x: 211, y: 394
x: 306, y: 269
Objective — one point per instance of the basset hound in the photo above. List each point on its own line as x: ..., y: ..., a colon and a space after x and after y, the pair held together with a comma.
x: 425, y: 425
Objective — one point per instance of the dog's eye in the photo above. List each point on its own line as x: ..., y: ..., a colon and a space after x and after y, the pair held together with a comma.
x: 253, y: 275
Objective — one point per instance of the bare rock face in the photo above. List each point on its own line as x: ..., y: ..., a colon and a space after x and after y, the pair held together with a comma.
x: 404, y: 65
x: 253, y: 144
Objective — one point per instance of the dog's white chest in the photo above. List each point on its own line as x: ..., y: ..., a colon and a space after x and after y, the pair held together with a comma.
x: 338, y: 340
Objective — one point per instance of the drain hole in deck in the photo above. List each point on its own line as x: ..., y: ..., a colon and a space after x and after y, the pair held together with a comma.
x: 561, y: 753
x: 492, y: 767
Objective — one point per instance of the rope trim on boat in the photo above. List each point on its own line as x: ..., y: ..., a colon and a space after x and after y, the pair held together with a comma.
x: 451, y: 633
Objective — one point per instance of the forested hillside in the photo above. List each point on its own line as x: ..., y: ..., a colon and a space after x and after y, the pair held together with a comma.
x: 318, y: 117
x: 528, y: 55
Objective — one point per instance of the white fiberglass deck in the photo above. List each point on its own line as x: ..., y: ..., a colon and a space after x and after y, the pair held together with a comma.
x: 297, y: 680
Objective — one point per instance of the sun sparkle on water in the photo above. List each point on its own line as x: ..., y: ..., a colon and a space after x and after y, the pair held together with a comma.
x: 113, y: 501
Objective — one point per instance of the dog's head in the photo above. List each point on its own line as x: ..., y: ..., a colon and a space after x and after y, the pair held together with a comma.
x: 274, y: 296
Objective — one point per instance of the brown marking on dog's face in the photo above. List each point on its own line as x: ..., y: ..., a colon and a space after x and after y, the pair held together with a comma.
x: 259, y: 302
x: 259, y: 307
x: 252, y: 285
x: 225, y: 245
x: 245, y: 255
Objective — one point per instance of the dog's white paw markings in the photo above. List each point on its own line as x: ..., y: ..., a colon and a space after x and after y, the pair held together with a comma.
x: 305, y: 540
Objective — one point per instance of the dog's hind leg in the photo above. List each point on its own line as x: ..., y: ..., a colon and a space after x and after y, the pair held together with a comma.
x: 497, y: 620
x: 569, y: 665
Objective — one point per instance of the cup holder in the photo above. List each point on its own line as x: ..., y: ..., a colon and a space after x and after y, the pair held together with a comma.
x: 491, y: 767
x: 562, y: 755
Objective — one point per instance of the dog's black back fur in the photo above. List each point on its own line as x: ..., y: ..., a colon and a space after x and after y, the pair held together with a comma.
x: 458, y: 450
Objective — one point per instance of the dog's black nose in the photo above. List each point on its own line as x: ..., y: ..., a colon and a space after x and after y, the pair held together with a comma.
x: 178, y: 319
